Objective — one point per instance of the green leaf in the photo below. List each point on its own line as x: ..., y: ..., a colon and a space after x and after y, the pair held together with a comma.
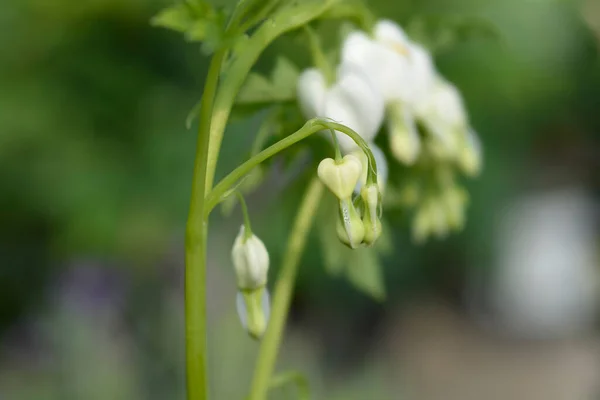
x: 178, y: 17
x: 295, y: 377
x: 365, y: 273
x: 280, y: 87
x: 197, y: 20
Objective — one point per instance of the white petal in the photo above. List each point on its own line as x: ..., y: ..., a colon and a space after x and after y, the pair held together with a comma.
x: 390, y: 32
x: 382, y: 166
x: 311, y: 92
x: 356, y: 103
x: 423, y: 73
x: 444, y: 104
x: 389, y: 70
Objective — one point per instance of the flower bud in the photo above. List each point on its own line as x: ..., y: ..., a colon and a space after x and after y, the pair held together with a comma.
x: 404, y: 139
x: 340, y: 176
x: 454, y: 200
x: 372, y: 204
x: 253, y: 307
x: 438, y: 217
x: 421, y: 225
x: 350, y: 228
x: 469, y: 156
x: 250, y: 260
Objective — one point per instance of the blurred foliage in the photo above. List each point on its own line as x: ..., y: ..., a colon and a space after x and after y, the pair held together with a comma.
x: 96, y: 161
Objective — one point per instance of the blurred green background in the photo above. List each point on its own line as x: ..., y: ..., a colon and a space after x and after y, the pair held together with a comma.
x: 95, y: 172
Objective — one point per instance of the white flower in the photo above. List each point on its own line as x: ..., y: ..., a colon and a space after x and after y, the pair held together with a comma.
x: 349, y: 227
x: 444, y: 115
x: 401, y: 69
x: 351, y: 100
x: 404, y: 73
x: 371, y: 197
x: 341, y: 176
x: 250, y: 260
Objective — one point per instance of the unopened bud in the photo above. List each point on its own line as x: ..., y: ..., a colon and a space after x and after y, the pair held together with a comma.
x: 253, y: 307
x: 350, y: 228
x: 454, y: 200
x: 250, y: 260
x: 340, y: 176
x: 421, y: 225
x: 404, y: 139
x: 470, y: 154
x: 372, y: 204
x: 438, y: 217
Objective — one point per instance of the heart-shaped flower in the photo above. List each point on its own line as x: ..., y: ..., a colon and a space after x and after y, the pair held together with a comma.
x: 340, y: 176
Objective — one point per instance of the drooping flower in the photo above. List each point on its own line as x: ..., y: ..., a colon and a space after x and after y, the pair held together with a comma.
x: 340, y: 177
x: 250, y: 260
x: 352, y: 100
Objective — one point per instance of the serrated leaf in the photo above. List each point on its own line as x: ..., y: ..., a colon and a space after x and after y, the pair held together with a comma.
x: 178, y: 18
x: 366, y: 273
x: 197, y: 20
x: 279, y: 88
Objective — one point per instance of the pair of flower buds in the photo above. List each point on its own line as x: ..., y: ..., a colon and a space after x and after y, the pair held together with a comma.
x: 358, y: 220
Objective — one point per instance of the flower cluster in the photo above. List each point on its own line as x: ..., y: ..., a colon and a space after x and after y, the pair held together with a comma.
x: 358, y: 219
x: 384, y: 79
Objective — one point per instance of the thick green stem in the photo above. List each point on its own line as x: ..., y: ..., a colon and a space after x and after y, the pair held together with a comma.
x: 284, y: 286
x: 195, y: 248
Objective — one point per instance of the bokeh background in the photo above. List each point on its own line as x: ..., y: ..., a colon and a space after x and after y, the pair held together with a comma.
x: 95, y: 171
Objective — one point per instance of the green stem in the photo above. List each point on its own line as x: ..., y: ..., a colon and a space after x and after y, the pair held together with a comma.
x: 311, y: 127
x: 284, y: 286
x: 195, y: 248
x: 246, y: 215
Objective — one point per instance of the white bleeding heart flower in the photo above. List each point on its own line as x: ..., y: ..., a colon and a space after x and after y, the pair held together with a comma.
x: 371, y: 198
x: 401, y: 69
x: 340, y: 177
x: 251, y: 261
x: 443, y: 114
x: 352, y: 100
x: 349, y: 227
